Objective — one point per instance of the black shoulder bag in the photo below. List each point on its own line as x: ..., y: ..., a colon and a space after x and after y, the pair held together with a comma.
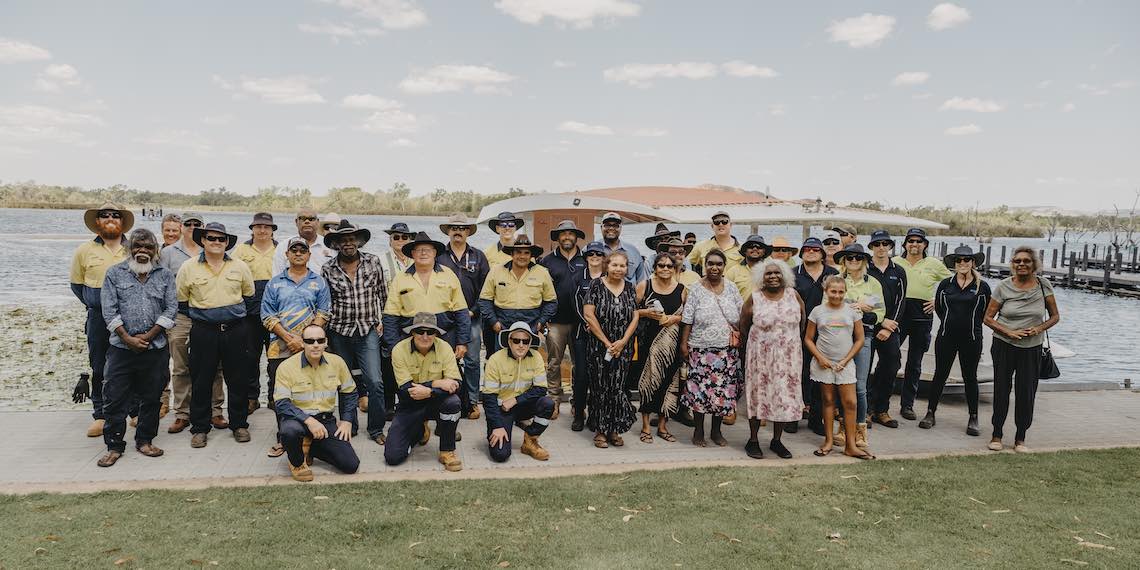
x: 1048, y: 367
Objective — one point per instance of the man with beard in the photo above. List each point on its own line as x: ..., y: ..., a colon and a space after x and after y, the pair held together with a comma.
x: 88, y: 269
x: 565, y: 264
x: 217, y: 289
x: 755, y: 251
x: 359, y: 293
x: 319, y: 254
x: 171, y: 229
x: 471, y: 267
x: 611, y: 237
x: 922, y: 276
x: 810, y: 276
x: 257, y: 253
x: 139, y: 303
x: 885, y: 343
x: 722, y: 239
x: 172, y: 258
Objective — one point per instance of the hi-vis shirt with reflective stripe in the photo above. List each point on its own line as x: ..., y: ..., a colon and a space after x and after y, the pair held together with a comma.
x: 510, y: 292
x: 507, y: 377
x: 408, y: 296
x: 408, y: 365
x: 89, y: 267
x: 215, y: 297
x: 313, y: 390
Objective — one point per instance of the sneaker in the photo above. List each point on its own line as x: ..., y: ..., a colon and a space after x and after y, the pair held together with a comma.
x: 241, y: 435
x: 301, y: 473
x: 96, y: 428
x: 908, y: 414
x: 450, y: 461
x: 995, y: 445
x: 885, y: 419
x: 198, y: 441
x: 1019, y: 447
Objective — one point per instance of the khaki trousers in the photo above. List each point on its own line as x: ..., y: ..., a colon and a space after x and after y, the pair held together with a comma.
x: 557, y: 341
x: 179, y: 338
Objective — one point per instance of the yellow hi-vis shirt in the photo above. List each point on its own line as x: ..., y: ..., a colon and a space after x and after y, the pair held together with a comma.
x: 868, y: 291
x: 922, y: 277
x: 697, y: 256
x: 526, y: 292
x: 92, y: 259
x: 687, y: 278
x: 408, y: 296
x: 215, y: 297
x: 741, y: 276
x: 313, y: 389
x: 496, y: 256
x: 260, y: 262
x: 408, y: 365
x: 507, y: 377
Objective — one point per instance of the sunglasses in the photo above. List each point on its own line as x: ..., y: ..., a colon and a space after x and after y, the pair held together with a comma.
x: 1021, y: 261
x: 812, y: 249
x: 456, y: 228
x: 851, y: 258
x: 508, y: 225
x: 424, y: 332
x: 216, y: 238
x: 881, y: 244
x: 401, y: 237
x: 665, y: 266
x: 830, y: 242
x: 967, y: 260
x: 595, y: 254
x: 193, y: 224
x: 306, y: 218
x: 915, y: 240
x: 783, y: 250
x: 320, y: 340
x: 520, y: 340
x: 298, y: 250
x: 843, y: 233
x: 611, y: 225
x: 110, y: 215
x: 721, y: 222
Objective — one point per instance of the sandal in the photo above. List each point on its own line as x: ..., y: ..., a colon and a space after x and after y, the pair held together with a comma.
x: 616, y: 440
x: 109, y: 459
x: 646, y: 437
x: 276, y: 451
x: 666, y: 436
x: 864, y: 456
x: 600, y: 441
x: 821, y: 452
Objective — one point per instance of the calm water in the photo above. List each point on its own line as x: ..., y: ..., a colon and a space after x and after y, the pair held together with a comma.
x: 1104, y: 331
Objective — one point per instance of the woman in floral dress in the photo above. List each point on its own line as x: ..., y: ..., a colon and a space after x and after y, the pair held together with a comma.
x: 610, y: 310
x: 772, y: 323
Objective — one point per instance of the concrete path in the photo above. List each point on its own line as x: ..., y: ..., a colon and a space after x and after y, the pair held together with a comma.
x: 48, y: 451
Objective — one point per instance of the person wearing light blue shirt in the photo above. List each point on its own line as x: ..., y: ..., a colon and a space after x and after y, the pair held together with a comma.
x: 611, y: 237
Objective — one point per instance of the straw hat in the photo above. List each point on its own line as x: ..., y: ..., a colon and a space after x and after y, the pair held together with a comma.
x: 91, y: 216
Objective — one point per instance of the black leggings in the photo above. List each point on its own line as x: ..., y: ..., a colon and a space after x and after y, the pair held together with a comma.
x: 1016, y: 368
x: 969, y: 352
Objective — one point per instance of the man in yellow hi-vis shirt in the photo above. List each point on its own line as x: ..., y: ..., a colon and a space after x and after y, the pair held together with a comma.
x: 258, y: 254
x: 514, y: 390
x: 521, y: 290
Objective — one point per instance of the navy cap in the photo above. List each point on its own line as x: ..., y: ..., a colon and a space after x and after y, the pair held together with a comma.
x: 596, y: 247
x: 881, y: 235
x: 810, y: 242
x: 919, y: 232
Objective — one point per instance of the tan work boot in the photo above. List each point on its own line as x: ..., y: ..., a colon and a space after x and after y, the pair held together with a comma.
x: 450, y: 461
x: 163, y: 410
x: 532, y: 448
x: 426, y: 437
x: 301, y: 473
x: 554, y: 414
x: 306, y: 445
x: 362, y: 403
x: 861, y: 436
x: 840, y: 437
x: 96, y: 428
x: 474, y: 413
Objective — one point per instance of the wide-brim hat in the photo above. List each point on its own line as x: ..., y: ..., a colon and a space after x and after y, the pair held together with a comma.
x: 423, y: 320
x: 756, y: 239
x: 566, y: 226
x: 347, y: 228
x: 329, y: 219
x: 963, y: 251
x: 261, y: 219
x: 845, y: 227
x: 505, y: 335
x: 659, y: 234
x: 90, y: 217
x: 458, y: 220
x: 505, y: 217
x: 853, y: 250
x: 422, y: 237
x: 200, y: 232
x: 665, y: 244
x: 399, y: 228
x: 523, y: 242
x: 782, y: 243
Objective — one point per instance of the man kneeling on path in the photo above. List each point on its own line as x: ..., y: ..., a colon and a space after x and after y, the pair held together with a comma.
x: 304, y: 395
x: 138, y: 303
x: 514, y: 390
x: 427, y: 380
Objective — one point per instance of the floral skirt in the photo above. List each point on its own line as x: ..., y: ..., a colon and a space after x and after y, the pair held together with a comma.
x: 713, y: 383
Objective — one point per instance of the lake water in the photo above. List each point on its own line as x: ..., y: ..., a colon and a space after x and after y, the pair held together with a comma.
x: 1104, y: 331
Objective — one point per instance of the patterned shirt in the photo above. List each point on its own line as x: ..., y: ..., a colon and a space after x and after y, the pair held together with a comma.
x: 357, y: 304
x: 137, y: 306
x: 712, y: 316
x: 294, y: 306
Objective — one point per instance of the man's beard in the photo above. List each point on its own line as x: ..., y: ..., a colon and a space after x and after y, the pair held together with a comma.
x: 110, y: 233
x: 141, y: 268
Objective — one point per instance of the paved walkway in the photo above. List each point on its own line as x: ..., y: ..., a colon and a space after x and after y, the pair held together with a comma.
x: 47, y: 451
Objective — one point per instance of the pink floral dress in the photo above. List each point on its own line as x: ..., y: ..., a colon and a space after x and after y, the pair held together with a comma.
x: 774, y: 361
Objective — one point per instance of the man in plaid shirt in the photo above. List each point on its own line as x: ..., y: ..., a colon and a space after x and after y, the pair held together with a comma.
x: 359, y: 293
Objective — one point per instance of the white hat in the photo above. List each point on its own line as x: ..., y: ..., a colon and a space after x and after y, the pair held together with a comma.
x: 611, y: 216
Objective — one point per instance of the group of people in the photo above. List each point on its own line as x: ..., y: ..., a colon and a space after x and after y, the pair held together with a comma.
x: 435, y: 331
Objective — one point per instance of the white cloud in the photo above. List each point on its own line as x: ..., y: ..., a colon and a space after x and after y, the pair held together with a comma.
x: 562, y: 64
x: 643, y: 74
x: 651, y: 132
x: 391, y: 121
x: 777, y: 110
x: 403, y: 143
x: 910, y: 78
x: 36, y: 122
x: 862, y: 31
x: 16, y: 51
x: 452, y: 78
x: 392, y: 14
x: 946, y: 15
x: 584, y: 129
x: 338, y: 32
x: 1068, y: 108
x: 58, y: 76
x: 973, y: 104
x: 180, y: 138
x: 577, y: 13
x: 970, y: 129
x: 369, y: 101
x: 286, y: 90
x: 738, y: 68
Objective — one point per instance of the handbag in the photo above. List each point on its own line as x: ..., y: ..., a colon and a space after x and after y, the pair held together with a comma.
x: 734, y: 333
x: 1048, y: 367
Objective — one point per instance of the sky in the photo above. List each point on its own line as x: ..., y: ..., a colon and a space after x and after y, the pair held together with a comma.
x: 1018, y: 102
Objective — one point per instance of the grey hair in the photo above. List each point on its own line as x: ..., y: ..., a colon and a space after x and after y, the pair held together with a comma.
x: 786, y: 275
x: 141, y: 234
x: 1032, y: 255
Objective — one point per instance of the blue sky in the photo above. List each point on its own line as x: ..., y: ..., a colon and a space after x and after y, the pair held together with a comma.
x: 1012, y: 102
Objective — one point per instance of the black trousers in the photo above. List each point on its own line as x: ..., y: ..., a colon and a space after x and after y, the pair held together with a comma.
x: 98, y: 341
x: 127, y: 376
x: 211, y: 344
x: 915, y: 327
x: 258, y: 339
x: 881, y: 381
x: 408, y: 426
x: 580, y: 381
x: 539, y: 410
x: 1016, y: 368
x: 388, y: 376
x: 969, y: 353
x: 331, y: 450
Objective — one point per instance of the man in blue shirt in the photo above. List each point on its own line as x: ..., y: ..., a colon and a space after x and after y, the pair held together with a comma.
x: 139, y: 303
x: 611, y: 236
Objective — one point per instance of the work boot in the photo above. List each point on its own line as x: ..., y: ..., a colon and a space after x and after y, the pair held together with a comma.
x: 450, y: 461
x: 885, y: 419
x: 219, y: 422
x: 791, y: 427
x: 362, y: 403
x: 908, y: 414
x: 861, y: 436
x: 198, y: 441
x: 163, y: 410
x: 840, y: 437
x: 306, y: 445
x: 241, y: 435
x: 531, y: 447
x: 96, y: 428
x: 301, y: 473
x: 426, y: 437
x: 928, y: 421
x: 579, y: 422
x: 554, y: 414
x: 254, y: 405
x: 178, y: 425
x: 473, y: 414
x: 972, y: 426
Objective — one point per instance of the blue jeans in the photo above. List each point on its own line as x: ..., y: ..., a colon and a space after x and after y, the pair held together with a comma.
x: 862, y: 369
x: 471, y: 373
x: 362, y: 355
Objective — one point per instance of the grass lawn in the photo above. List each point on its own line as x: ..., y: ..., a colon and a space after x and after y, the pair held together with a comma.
x: 1018, y: 511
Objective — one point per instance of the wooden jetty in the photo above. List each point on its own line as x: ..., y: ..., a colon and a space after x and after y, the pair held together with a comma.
x: 1117, y: 272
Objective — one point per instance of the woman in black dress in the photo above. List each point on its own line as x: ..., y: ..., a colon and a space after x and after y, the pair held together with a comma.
x: 661, y: 299
x: 611, y: 315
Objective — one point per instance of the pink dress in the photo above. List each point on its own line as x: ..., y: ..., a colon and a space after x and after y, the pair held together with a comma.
x: 774, y: 361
